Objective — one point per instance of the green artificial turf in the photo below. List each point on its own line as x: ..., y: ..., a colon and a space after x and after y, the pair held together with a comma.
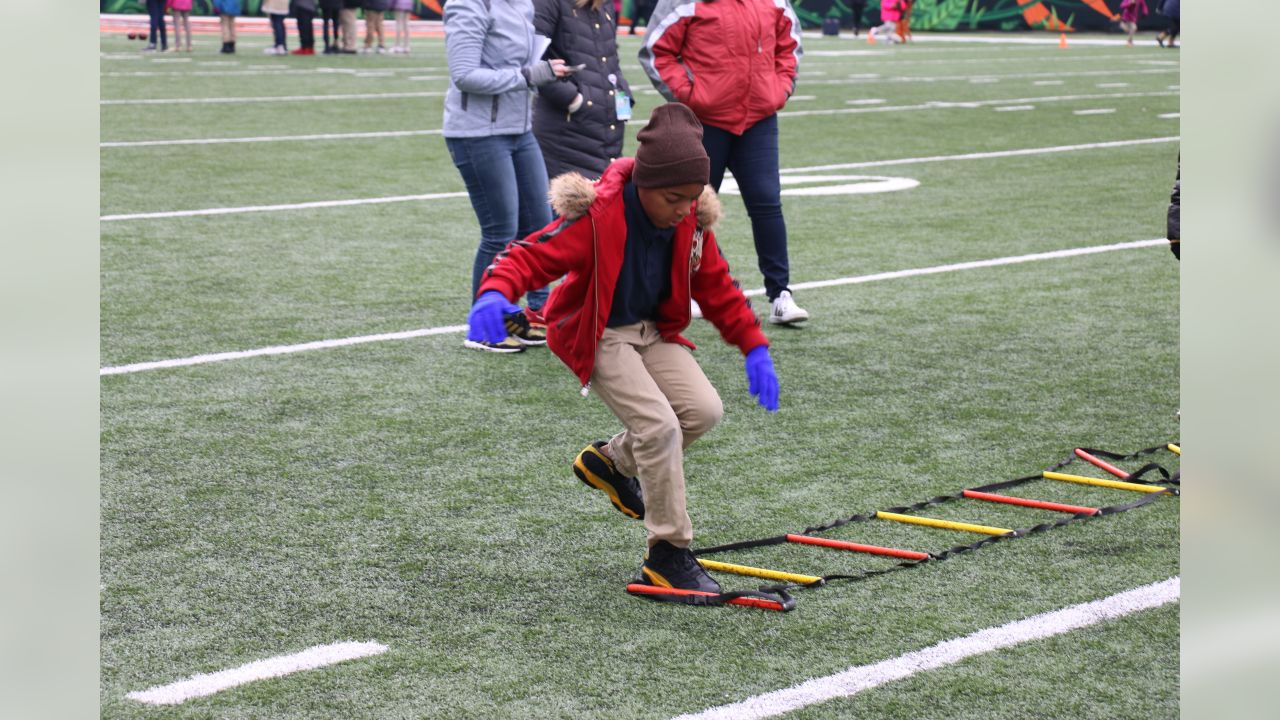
x: 418, y: 494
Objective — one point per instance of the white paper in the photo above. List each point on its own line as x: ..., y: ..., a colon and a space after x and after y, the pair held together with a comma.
x: 540, y: 45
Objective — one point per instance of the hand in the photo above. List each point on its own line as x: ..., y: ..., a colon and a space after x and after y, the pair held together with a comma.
x: 540, y: 73
x: 762, y: 381
x: 486, y: 322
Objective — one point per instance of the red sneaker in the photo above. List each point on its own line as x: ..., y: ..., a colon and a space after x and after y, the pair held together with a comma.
x: 304, y: 51
x: 535, y: 318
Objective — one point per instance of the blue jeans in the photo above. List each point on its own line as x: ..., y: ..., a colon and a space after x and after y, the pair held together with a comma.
x: 507, y: 182
x: 155, y: 10
x: 752, y: 157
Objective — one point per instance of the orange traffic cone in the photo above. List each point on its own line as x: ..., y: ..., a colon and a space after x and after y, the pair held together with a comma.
x: 1062, y: 41
x: 871, y: 36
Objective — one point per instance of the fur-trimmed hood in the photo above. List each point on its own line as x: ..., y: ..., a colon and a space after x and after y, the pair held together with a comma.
x: 571, y: 196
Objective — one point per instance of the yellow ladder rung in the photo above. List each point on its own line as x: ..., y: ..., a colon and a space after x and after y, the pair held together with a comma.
x: 759, y: 572
x: 1116, y: 484
x: 1174, y: 449
x: 945, y: 524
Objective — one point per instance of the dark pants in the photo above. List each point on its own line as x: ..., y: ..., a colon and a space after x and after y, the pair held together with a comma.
x: 155, y: 9
x: 277, y: 29
x: 306, y: 30
x: 856, y: 8
x: 507, y: 182
x: 330, y: 20
x: 752, y: 157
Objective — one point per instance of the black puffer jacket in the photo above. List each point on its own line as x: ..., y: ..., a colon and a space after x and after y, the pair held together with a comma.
x: 582, y: 32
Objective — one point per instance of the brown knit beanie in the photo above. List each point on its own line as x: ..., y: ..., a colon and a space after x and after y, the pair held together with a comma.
x: 671, y: 151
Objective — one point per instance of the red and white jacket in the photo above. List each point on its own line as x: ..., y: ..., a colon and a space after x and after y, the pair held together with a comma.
x: 733, y: 62
x: 586, y: 245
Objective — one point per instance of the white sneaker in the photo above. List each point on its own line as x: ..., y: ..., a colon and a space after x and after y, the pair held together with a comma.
x: 786, y: 311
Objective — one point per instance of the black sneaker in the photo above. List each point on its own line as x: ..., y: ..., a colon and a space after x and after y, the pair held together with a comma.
x: 527, y: 333
x: 668, y: 566
x: 593, y: 468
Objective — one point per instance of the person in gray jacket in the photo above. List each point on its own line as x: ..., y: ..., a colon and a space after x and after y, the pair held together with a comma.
x: 580, y: 121
x: 494, y: 63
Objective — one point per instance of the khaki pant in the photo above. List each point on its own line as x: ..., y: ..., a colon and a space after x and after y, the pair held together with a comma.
x: 665, y: 403
x: 347, y: 17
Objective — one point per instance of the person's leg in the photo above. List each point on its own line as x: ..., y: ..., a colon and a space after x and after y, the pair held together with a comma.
x: 348, y: 19
x: 718, y: 144
x: 754, y: 164
x: 381, y: 28
x: 186, y: 25
x: 160, y: 24
x: 278, y: 31
x: 650, y: 447
x: 489, y: 175
x: 531, y: 190
x: 155, y: 16
x: 306, y: 29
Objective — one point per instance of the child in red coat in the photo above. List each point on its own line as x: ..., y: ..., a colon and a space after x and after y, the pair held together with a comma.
x: 635, y: 247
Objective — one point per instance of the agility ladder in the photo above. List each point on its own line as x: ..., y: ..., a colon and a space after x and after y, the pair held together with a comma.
x: 777, y: 597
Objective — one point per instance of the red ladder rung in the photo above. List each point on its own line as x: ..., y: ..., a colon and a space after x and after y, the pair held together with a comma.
x: 1102, y: 464
x: 858, y: 547
x: 1024, y: 502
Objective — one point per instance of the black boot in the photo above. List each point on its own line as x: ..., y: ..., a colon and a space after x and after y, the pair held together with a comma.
x: 231, y: 48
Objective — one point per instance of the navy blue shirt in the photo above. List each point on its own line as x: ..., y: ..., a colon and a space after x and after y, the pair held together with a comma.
x: 645, y: 278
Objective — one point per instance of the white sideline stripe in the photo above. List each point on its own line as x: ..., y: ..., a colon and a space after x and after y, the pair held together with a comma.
x: 272, y: 98
x: 930, y: 105
x: 947, y: 104
x: 1015, y: 108
x: 279, y: 350
x: 985, y: 155
x: 460, y: 194
x: 448, y: 329
x: 290, y: 206
x: 270, y: 138
x: 864, y: 677
x: 1095, y: 111
x: 208, y: 684
x: 973, y: 265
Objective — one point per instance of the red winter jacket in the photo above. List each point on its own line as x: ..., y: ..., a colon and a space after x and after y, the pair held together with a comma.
x: 733, y: 62
x: 586, y: 244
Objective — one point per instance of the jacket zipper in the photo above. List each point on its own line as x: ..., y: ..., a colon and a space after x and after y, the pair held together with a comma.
x: 595, y: 296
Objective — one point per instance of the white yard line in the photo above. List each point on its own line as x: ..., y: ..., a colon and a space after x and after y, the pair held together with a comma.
x: 210, y: 683
x: 459, y: 194
x: 1094, y: 111
x: 272, y: 98
x: 984, y: 155
x: 879, y: 107
x: 270, y: 138
x: 937, y: 104
x: 287, y: 206
x: 865, y: 677
x: 449, y: 329
x: 991, y: 77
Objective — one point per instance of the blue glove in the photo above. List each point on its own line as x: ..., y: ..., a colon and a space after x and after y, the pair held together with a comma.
x: 486, y: 322
x: 762, y: 381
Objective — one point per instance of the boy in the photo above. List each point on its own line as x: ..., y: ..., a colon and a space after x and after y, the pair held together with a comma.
x: 636, y: 247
